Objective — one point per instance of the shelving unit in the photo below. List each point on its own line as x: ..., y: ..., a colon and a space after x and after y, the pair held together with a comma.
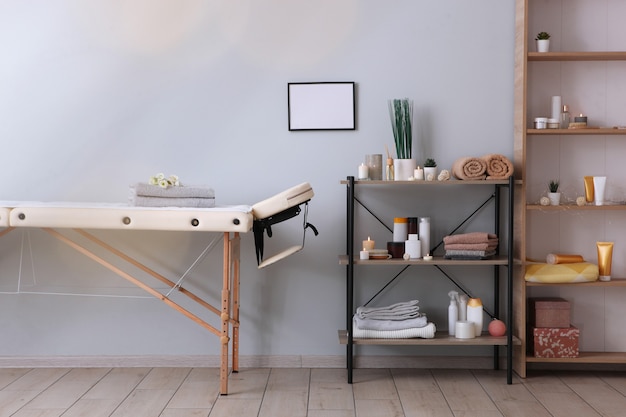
x: 350, y: 260
x: 574, y: 75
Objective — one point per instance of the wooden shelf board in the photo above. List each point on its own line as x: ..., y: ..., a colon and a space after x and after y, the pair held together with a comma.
x: 614, y: 282
x: 440, y: 339
x: 577, y: 56
x: 429, y: 183
x: 437, y: 260
x: 588, y: 131
x: 565, y: 207
x: 584, y: 357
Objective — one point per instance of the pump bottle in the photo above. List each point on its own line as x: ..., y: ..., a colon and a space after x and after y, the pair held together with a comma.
x: 453, y: 312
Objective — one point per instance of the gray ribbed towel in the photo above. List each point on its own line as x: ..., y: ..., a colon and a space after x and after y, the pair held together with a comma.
x: 399, y: 311
x: 181, y: 191
x: 141, y: 201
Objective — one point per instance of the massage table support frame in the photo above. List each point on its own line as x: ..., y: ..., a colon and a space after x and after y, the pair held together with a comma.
x: 228, y: 313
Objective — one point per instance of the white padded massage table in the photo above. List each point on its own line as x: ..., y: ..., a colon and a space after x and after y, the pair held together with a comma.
x: 230, y: 221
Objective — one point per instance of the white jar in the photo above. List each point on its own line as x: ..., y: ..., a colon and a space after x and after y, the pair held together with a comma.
x: 475, y: 314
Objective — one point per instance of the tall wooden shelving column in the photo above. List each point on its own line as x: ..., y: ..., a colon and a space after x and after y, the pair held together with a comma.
x: 529, y: 143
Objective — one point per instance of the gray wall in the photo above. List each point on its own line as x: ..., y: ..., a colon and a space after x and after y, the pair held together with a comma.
x: 97, y: 95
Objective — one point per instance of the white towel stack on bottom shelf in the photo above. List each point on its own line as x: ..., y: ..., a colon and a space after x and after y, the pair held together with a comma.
x: 397, y: 321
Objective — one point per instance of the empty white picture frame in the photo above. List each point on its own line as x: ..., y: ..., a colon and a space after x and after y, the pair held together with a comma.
x: 321, y: 106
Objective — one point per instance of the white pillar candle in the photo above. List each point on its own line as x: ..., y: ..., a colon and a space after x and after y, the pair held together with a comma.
x: 419, y: 173
x: 363, y: 172
x: 364, y: 255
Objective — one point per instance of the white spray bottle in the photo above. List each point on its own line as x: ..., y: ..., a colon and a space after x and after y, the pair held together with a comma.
x: 463, y: 307
x: 453, y: 312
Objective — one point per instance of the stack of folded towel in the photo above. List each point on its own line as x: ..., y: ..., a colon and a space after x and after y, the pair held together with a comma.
x: 474, y: 245
x: 148, y: 195
x: 397, y: 321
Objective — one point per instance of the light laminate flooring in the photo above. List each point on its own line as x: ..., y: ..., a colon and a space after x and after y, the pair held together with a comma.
x: 305, y: 392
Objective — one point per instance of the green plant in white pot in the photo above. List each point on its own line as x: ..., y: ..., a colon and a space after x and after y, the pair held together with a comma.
x: 554, y: 195
x: 401, y: 116
x: 543, y: 42
x: 430, y: 169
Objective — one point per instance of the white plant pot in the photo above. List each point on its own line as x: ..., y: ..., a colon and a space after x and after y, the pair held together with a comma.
x: 543, y: 45
x: 555, y: 198
x: 430, y: 173
x: 403, y: 169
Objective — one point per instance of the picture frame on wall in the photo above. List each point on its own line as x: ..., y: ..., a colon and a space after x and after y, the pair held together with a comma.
x: 328, y: 105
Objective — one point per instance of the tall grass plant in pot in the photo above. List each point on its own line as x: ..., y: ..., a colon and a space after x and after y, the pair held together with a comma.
x: 401, y: 116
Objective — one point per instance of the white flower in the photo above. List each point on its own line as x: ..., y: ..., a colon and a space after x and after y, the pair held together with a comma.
x: 163, y: 182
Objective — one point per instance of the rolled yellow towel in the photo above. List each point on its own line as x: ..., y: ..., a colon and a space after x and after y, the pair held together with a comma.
x: 469, y: 168
x: 498, y: 166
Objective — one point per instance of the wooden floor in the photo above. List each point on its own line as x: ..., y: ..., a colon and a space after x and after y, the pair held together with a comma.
x: 282, y: 392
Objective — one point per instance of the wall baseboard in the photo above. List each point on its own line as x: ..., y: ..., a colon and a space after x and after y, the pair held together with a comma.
x: 252, y: 361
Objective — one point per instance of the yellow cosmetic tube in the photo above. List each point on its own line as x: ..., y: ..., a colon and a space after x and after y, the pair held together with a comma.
x: 589, y: 193
x: 605, y: 258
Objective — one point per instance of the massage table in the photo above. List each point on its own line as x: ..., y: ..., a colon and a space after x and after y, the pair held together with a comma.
x: 230, y: 221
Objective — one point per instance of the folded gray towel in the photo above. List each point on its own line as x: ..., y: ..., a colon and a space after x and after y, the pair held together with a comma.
x: 399, y: 311
x: 142, y: 201
x: 181, y: 191
x: 374, y: 324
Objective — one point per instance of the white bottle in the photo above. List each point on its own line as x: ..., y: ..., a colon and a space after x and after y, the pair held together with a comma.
x: 463, y: 307
x: 412, y: 247
x: 424, y: 235
x: 475, y: 314
x: 453, y: 312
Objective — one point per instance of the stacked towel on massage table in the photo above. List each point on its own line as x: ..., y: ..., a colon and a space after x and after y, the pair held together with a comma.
x: 473, y: 245
x: 397, y: 321
x: 148, y: 195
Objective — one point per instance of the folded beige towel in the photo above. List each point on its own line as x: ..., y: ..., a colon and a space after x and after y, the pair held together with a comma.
x: 471, y: 246
x: 469, y: 168
x: 471, y: 237
x: 499, y: 167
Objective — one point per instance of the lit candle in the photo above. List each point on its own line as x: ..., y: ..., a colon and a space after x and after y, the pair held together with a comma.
x: 364, y: 172
x: 428, y: 257
x: 419, y: 173
x: 580, y: 119
x: 364, y: 255
x: 368, y: 244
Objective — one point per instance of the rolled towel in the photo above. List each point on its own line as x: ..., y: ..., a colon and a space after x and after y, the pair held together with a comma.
x: 498, y: 166
x: 398, y: 311
x: 426, y: 332
x: 141, y: 201
x: 182, y: 191
x: 471, y: 237
x: 469, y: 168
x: 374, y: 324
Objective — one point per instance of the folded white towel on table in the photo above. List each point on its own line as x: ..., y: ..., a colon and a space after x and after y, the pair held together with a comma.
x: 142, y: 201
x: 374, y: 324
x: 426, y: 332
x: 398, y: 311
x: 179, y: 191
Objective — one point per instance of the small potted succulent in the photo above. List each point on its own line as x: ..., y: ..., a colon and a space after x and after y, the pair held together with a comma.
x: 430, y: 169
x: 554, y: 195
x: 543, y: 41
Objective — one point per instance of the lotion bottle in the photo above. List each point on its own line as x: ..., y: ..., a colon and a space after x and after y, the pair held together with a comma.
x: 453, y: 312
x: 475, y: 314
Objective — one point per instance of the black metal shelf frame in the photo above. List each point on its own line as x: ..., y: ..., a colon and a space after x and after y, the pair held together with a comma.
x: 350, y: 250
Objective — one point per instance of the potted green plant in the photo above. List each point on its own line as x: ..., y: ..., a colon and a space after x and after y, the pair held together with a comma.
x: 430, y: 169
x: 543, y: 41
x: 554, y: 195
x: 401, y: 116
